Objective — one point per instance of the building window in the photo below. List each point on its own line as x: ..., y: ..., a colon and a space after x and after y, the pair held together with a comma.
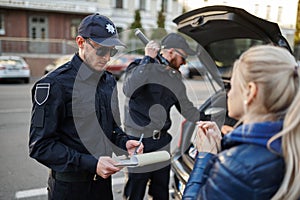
x: 164, y: 4
x: 43, y: 33
x: 74, y: 26
x: 33, y: 33
x: 256, y: 9
x: 142, y: 4
x: 38, y: 27
x: 279, y: 16
x: 2, y: 25
x: 119, y: 3
x: 268, y: 12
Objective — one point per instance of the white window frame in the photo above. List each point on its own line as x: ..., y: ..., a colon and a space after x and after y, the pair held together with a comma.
x: 2, y: 24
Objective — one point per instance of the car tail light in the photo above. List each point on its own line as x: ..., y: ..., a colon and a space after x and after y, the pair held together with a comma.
x: 181, y: 133
x: 25, y: 67
x: 2, y: 67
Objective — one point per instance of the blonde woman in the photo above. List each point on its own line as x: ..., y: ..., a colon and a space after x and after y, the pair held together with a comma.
x: 259, y: 159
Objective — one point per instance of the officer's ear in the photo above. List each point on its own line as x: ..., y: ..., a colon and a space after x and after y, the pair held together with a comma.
x: 80, y: 41
x: 172, y: 53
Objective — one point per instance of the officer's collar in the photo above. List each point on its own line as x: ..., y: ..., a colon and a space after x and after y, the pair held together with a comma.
x: 85, y: 72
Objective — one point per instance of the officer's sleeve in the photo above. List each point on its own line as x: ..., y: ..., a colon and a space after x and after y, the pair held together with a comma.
x: 120, y: 137
x: 185, y: 106
x: 48, y: 113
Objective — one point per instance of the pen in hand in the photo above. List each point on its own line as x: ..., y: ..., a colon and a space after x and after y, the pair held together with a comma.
x: 140, y: 142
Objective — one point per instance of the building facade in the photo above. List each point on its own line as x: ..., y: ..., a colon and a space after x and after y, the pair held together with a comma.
x: 54, y: 20
x: 41, y: 31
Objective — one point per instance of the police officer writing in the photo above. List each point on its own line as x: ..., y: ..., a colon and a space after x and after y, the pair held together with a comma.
x: 151, y: 89
x: 75, y: 118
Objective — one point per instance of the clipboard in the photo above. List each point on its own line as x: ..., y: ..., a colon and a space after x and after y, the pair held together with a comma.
x: 144, y: 159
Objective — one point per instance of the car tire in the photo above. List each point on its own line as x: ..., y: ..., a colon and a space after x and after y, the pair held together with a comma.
x: 26, y: 80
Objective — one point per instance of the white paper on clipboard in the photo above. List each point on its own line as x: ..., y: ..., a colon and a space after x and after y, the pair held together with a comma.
x: 144, y: 159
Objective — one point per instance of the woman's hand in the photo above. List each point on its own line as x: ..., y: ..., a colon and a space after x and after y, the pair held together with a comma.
x: 226, y: 129
x: 208, y: 138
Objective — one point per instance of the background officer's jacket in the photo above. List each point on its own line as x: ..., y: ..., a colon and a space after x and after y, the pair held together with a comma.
x: 149, y: 84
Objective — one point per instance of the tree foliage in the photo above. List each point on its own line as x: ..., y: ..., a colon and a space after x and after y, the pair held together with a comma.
x: 137, y: 20
x: 161, y: 31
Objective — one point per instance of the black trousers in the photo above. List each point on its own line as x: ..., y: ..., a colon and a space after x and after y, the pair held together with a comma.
x: 86, y: 190
x: 158, y: 186
x: 157, y: 174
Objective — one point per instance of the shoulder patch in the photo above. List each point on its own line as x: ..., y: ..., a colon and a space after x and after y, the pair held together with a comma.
x: 41, y: 93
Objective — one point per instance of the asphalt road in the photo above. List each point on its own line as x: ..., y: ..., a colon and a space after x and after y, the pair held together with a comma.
x: 24, y: 178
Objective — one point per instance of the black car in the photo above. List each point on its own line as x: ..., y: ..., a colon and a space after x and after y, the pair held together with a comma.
x: 222, y: 34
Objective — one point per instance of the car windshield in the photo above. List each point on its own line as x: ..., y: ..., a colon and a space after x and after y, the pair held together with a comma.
x: 225, y: 52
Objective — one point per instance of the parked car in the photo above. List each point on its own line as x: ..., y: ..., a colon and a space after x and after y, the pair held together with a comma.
x: 57, y: 62
x: 14, y: 67
x: 118, y: 64
x: 222, y: 34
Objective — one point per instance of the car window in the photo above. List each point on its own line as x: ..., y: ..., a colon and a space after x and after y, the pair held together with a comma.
x: 10, y: 62
x: 225, y: 52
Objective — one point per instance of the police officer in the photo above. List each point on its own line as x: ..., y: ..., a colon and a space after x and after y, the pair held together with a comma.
x: 151, y: 90
x: 75, y: 117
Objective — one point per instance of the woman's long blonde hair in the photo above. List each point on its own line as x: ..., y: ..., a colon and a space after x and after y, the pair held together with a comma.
x: 276, y: 70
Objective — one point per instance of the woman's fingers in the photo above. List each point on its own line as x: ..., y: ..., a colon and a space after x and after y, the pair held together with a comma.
x: 208, y: 137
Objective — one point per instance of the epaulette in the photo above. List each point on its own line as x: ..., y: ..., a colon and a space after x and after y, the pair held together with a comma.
x: 133, y: 64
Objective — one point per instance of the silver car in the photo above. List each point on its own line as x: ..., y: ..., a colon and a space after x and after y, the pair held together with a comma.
x: 14, y: 67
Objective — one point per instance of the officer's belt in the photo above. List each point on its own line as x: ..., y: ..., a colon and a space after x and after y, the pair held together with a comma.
x: 74, y: 176
x: 154, y: 134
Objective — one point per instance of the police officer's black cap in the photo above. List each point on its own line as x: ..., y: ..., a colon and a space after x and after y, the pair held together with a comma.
x: 100, y: 29
x: 174, y: 40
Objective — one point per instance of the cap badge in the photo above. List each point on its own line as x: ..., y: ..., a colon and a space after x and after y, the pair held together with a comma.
x: 110, y: 28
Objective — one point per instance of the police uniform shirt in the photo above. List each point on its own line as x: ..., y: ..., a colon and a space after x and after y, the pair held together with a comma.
x: 75, y: 118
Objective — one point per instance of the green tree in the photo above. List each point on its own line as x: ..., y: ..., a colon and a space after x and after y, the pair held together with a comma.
x: 138, y: 47
x: 137, y: 20
x: 161, y: 31
x: 161, y: 19
x: 136, y: 23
